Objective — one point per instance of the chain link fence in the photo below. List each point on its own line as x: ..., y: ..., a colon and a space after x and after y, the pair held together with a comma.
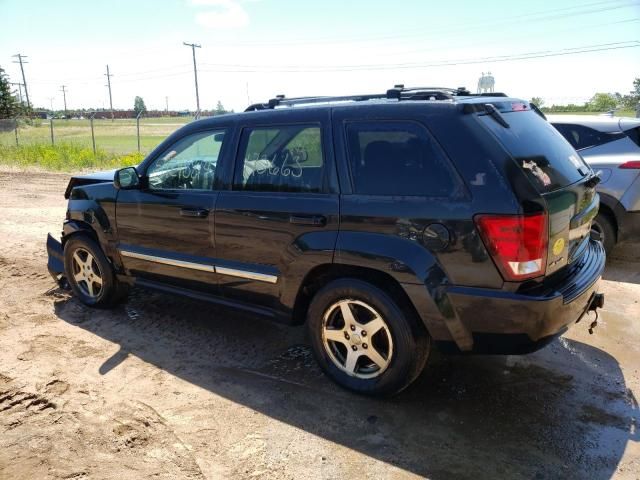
x: 119, y: 136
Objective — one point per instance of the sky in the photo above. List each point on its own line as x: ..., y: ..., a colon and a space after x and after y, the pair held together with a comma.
x: 251, y: 50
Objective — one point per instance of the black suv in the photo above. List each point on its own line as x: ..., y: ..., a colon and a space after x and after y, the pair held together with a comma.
x: 388, y: 223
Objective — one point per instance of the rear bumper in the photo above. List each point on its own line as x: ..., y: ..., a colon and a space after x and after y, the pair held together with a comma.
x: 498, y: 322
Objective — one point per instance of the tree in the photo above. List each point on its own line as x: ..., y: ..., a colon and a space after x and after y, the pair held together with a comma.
x: 139, y: 106
x: 602, y: 102
x: 8, y: 104
x: 220, y: 110
x: 631, y: 101
x: 538, y: 101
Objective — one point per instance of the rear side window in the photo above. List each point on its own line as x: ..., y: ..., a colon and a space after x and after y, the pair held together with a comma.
x: 397, y: 158
x: 634, y: 135
x: 281, y: 159
x: 581, y: 137
x: 547, y: 159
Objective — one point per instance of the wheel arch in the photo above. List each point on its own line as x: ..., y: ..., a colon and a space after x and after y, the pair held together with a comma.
x: 608, y: 206
x: 74, y: 228
x: 321, y: 275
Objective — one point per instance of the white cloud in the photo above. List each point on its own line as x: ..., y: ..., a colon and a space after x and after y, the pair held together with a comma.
x: 221, y: 14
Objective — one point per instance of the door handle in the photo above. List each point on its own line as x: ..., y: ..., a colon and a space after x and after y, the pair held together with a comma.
x: 194, y: 212
x: 311, y: 220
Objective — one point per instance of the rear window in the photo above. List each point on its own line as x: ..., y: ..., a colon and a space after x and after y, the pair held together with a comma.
x: 547, y: 159
x: 581, y: 137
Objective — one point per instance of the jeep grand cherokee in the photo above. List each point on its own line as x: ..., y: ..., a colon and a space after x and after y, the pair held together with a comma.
x: 388, y: 223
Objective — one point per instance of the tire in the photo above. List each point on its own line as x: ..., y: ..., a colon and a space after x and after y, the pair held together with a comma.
x: 400, y: 346
x: 90, y: 275
x: 607, y: 232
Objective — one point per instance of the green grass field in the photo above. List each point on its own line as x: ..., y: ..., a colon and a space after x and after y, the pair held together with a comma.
x: 117, y: 137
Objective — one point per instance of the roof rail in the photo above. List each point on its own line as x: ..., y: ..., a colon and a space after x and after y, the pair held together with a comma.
x: 281, y: 100
x: 398, y: 92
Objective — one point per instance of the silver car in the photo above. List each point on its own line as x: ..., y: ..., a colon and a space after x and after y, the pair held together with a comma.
x: 611, y: 145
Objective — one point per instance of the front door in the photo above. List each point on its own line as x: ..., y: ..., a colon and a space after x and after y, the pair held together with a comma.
x: 165, y: 229
x: 281, y: 216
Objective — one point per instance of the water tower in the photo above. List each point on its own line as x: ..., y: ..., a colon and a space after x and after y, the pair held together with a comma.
x: 486, y: 83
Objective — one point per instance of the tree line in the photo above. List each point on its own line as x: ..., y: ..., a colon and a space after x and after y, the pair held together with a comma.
x: 599, y: 102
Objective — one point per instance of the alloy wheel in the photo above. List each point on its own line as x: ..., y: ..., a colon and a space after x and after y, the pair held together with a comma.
x: 357, y: 339
x: 86, y: 273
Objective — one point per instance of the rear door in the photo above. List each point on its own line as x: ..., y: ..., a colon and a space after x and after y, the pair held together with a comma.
x: 558, y: 173
x: 280, y: 217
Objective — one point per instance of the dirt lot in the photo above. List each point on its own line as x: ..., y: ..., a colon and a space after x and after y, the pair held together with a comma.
x: 168, y: 388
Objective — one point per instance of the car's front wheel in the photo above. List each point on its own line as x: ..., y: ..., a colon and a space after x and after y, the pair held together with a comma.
x: 363, y: 340
x: 90, y: 274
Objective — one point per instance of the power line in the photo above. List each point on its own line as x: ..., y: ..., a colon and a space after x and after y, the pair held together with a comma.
x: 195, y: 74
x: 109, y: 75
x: 502, y: 40
x: 24, y: 80
x: 455, y: 28
x: 437, y: 63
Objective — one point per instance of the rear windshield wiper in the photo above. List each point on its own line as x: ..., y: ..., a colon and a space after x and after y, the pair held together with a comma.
x: 494, y: 113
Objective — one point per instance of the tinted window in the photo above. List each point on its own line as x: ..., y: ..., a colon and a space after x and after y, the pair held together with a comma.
x: 189, y: 164
x: 281, y: 159
x: 397, y: 158
x: 634, y: 135
x: 543, y: 154
x: 581, y: 137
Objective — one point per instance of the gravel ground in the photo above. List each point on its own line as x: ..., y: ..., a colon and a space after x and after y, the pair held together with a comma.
x: 169, y: 388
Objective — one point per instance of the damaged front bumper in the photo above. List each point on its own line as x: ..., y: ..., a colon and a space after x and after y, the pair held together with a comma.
x: 55, y: 263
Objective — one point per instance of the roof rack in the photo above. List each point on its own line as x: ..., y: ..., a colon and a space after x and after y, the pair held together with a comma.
x: 398, y: 92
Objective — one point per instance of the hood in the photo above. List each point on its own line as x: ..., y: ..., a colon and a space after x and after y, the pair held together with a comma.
x: 96, y: 177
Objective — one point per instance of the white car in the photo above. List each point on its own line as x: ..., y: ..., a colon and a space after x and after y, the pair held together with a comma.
x: 611, y: 146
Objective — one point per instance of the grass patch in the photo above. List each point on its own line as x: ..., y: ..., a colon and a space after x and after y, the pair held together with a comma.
x: 64, y: 157
x: 118, y: 137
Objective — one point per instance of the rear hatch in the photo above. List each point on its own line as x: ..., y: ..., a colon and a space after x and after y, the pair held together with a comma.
x: 558, y: 173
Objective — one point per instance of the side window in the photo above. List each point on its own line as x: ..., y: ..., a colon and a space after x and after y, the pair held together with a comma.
x: 581, y: 137
x: 398, y: 158
x: 281, y: 159
x: 189, y: 164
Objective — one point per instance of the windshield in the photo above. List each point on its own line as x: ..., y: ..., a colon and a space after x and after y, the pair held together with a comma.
x: 546, y: 157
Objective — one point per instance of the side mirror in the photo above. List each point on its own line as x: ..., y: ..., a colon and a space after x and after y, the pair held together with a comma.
x: 126, y: 179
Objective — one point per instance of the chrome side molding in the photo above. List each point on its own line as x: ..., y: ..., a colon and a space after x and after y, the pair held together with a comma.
x: 169, y: 261
x: 260, y: 277
x: 234, y: 272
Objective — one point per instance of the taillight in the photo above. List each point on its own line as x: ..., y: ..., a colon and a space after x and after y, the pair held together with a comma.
x: 632, y: 164
x: 517, y: 243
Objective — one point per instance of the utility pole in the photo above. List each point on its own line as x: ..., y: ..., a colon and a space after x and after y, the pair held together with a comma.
x: 24, y: 80
x: 166, y: 105
x: 109, y: 75
x: 195, y: 74
x: 64, y: 98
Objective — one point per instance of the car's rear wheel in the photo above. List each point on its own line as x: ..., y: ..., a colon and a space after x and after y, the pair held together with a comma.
x: 90, y: 274
x: 604, y: 227
x: 363, y: 340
